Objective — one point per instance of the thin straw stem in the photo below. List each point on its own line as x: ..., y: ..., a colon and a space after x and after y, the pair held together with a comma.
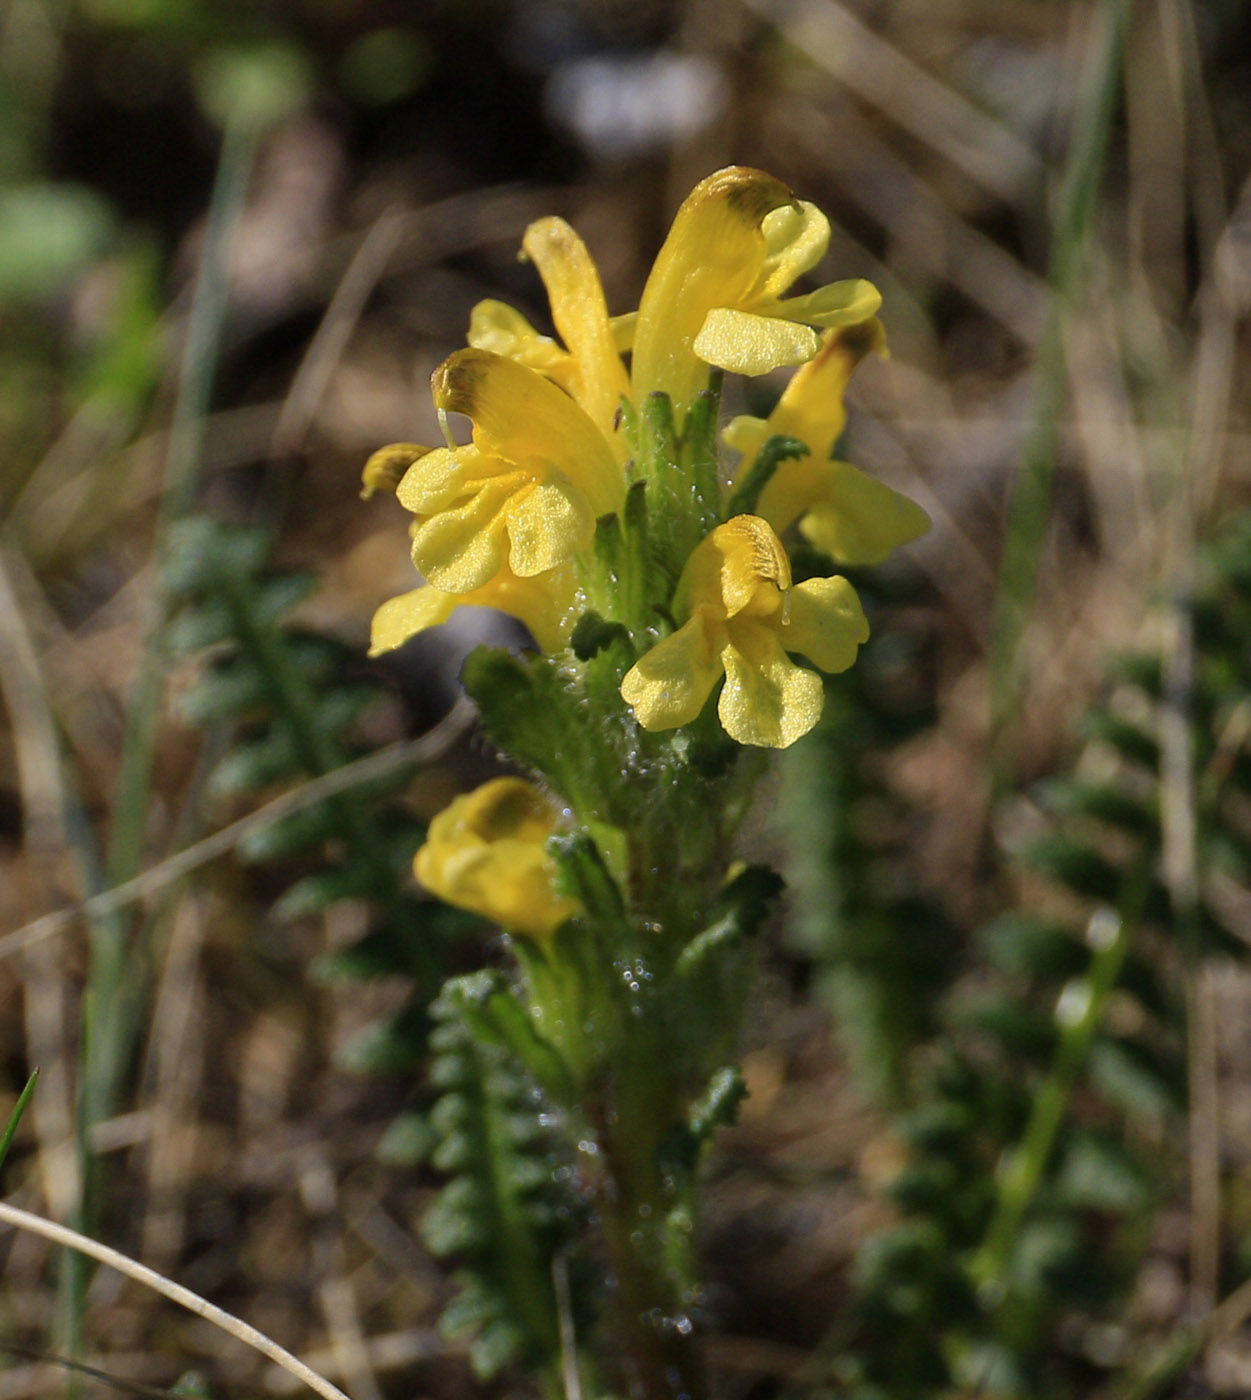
x: 405, y: 753
x: 140, y: 1273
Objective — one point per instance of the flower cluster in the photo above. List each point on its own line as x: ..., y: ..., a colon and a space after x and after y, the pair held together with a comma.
x: 591, y: 489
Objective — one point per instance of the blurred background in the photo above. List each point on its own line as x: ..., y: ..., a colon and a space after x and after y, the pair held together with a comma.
x: 234, y: 241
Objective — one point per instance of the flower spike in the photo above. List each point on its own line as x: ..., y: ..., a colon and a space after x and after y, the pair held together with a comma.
x: 592, y: 505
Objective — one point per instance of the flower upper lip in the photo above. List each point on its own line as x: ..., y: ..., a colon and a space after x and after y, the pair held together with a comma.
x: 714, y: 296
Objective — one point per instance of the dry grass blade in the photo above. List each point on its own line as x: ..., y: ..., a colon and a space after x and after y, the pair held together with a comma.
x: 149, y: 1392
x: 140, y: 1273
x: 328, y: 344
x: 45, y: 801
x: 935, y: 237
x: 876, y: 71
x: 436, y: 741
x: 338, y: 1298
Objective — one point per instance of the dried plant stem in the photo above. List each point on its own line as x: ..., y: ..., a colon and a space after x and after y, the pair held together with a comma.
x: 927, y: 108
x: 326, y: 348
x: 53, y: 827
x: 140, y: 1273
x: 118, y: 980
x: 1186, y: 805
x: 365, y: 770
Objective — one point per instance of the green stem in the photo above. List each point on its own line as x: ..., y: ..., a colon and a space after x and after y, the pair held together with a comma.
x: 637, y: 1201
x: 6, y: 1138
x: 109, y: 1028
x: 186, y: 441
x: 1079, y: 1013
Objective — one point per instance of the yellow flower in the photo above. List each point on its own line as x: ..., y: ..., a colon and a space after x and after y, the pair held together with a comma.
x: 850, y: 516
x: 589, y: 368
x: 524, y: 495
x: 486, y: 852
x: 715, y: 293
x: 546, y: 605
x: 740, y: 617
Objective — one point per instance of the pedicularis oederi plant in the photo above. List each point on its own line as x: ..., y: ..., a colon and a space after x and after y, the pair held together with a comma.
x: 673, y: 649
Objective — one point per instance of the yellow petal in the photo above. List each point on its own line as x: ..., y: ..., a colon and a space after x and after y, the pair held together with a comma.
x: 825, y: 623
x: 712, y: 257
x: 811, y: 409
x: 400, y: 618
x: 440, y: 478
x: 514, y: 886
x: 386, y: 467
x: 859, y: 520
x: 486, y: 852
x: 746, y: 435
x: 755, y: 569
x: 623, y: 330
x: 741, y: 566
x: 796, y: 236
x: 546, y: 607
x: 669, y: 684
x: 836, y: 304
x: 519, y: 416
x: 503, y: 809
x: 500, y: 328
x: 581, y: 317
x: 460, y: 548
x: 548, y: 523
x: 792, y: 489
x: 745, y: 343
x: 767, y: 700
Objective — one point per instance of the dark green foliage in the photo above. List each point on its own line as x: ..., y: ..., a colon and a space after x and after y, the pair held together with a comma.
x: 683, y: 491
x: 716, y: 1108
x: 293, y: 698
x: 626, y: 585
x: 881, y: 952
x: 537, y: 717
x: 509, y: 1205
x: 593, y: 635
x: 1042, y: 1134
x: 584, y: 875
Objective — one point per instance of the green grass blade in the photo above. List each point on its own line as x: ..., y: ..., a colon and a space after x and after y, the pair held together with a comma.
x: 6, y: 1138
x: 109, y: 1022
x: 1031, y: 497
